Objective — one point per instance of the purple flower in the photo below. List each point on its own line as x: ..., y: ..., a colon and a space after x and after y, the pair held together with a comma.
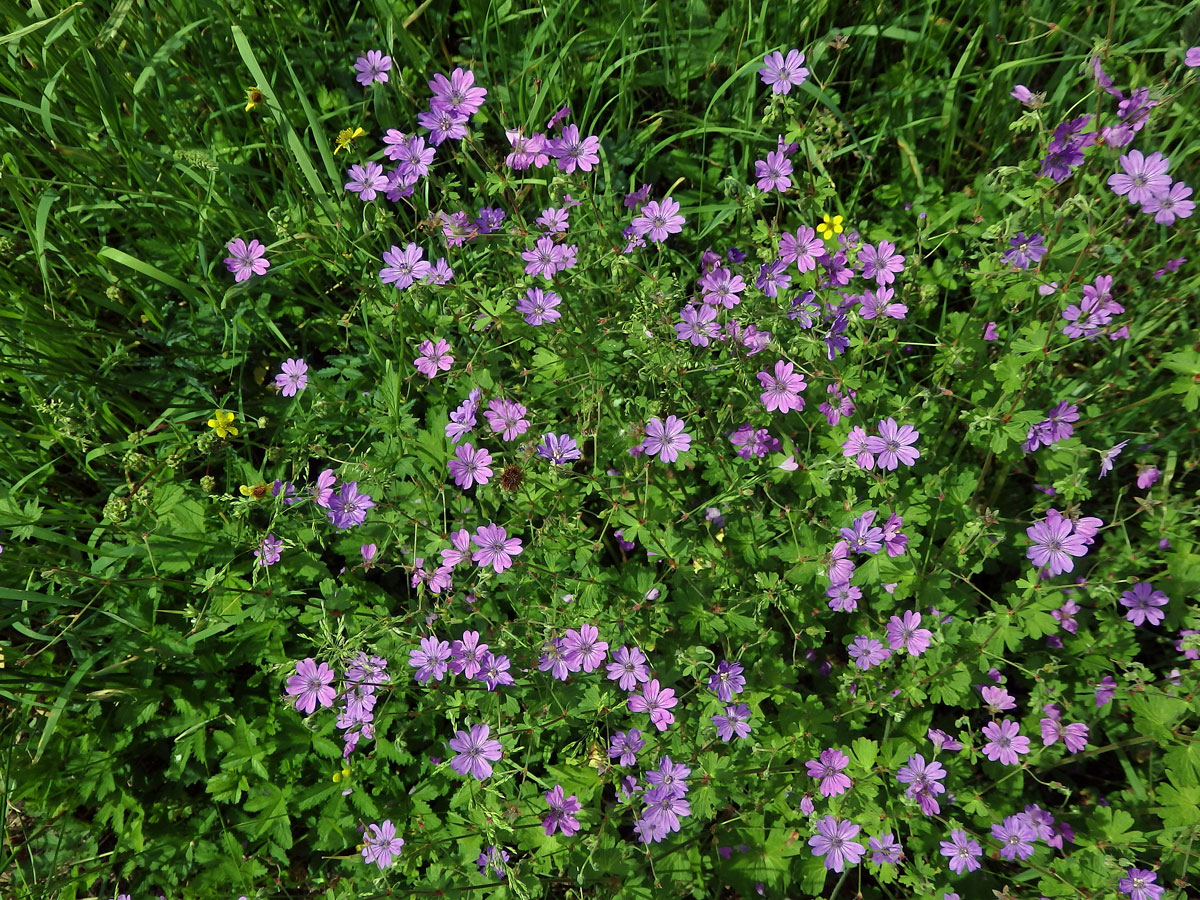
x: 1025, y: 96
x: 863, y: 536
x: 322, y: 490
x: 1144, y: 176
x: 885, y: 850
x: 431, y: 659
x: 722, y: 287
x: 496, y: 548
x: 1015, y: 837
x: 583, y: 649
x: 475, y: 752
x: 843, y: 597
x: 372, y: 67
x: 293, y: 377
x: 697, y: 325
x: 924, y: 780
x: 881, y: 262
x: 867, y: 652
x: 381, y: 843
x: 1170, y: 204
x: 773, y: 278
x: 457, y: 93
x: 539, y: 307
x: 828, y: 769
x: 1147, y: 477
x: 434, y: 358
x: 1054, y: 544
x: 562, y: 812
x: 1142, y: 603
x: 493, y: 858
x: 546, y: 258
x: 905, y: 633
x: 312, y: 684
x: 493, y: 670
x: 857, y: 445
x: 1025, y: 251
x: 893, y: 445
x: 558, y: 449
x: 368, y: 552
x: 773, y: 172
x: 466, y: 655
x: 552, y: 660
x: 990, y: 333
x: 781, y: 391
x: 658, y: 220
x: 506, y: 418
x: 574, y: 152
x: 727, y: 680
x: 782, y: 73
x: 962, y: 852
x: 942, y: 741
x: 666, y: 440
x: 246, y: 259
x: 403, y: 267
x: 802, y: 248
x: 1074, y: 735
x: 1005, y: 742
x: 1139, y: 883
x: 657, y: 701
x: 268, y: 550
x: 625, y: 746
x: 1105, y: 690
x: 834, y: 841
x: 663, y: 810
x: 348, y: 507
x: 628, y: 668
x: 366, y: 182
x: 736, y: 720
x: 670, y: 776
x: 460, y: 549
x: 1192, y: 57
x: 471, y: 466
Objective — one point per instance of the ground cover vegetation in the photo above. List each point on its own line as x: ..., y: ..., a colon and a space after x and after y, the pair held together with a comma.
x: 591, y: 450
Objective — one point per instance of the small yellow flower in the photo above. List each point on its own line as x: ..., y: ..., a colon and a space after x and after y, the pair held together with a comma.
x: 830, y: 227
x: 257, y: 491
x: 346, y: 137
x: 339, y: 776
x: 253, y: 97
x: 222, y: 423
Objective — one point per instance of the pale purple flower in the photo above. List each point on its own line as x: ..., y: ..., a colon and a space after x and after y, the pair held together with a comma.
x: 905, y: 633
x: 1105, y: 690
x: 562, y: 812
x: 657, y: 701
x: 366, y: 181
x: 924, y: 780
x: 781, y: 391
x: 942, y: 741
x: 1191, y: 59
x: 773, y: 278
x: 246, y: 259
x: 857, y: 445
x: 1147, y: 477
x: 867, y: 652
x: 414, y: 157
x: 670, y: 776
x: 322, y: 490
x: 997, y: 698
x: 293, y: 377
x: 470, y: 466
x: 990, y: 333
x: 583, y: 649
x: 727, y: 680
x: 496, y: 548
x: 539, y: 307
x: 546, y: 258
x: 574, y: 152
x: 506, y: 418
x: 443, y: 125
x: 1024, y: 251
x: 348, y: 507
x: 879, y: 303
x: 552, y: 660
x: 403, y: 267
x: 894, y: 445
x: 268, y: 551
x: 828, y: 770
x: 475, y: 752
x: 885, y: 850
x: 881, y: 262
x: 1015, y: 837
x: 697, y: 325
x: 1144, y: 176
x: 1005, y: 742
x: 774, y: 172
x: 722, y: 287
x: 457, y: 94
x: 1170, y: 204
x: 962, y: 851
x: 802, y: 248
x: 460, y: 549
x: 1074, y: 735
x: 368, y: 552
x: 735, y: 721
x: 434, y: 358
x: 782, y: 73
x: 843, y: 597
x: 834, y: 840
x: 628, y: 668
x: 658, y: 220
x: 493, y: 670
x: 1143, y: 602
x: 431, y: 659
x: 466, y: 655
x: 1054, y: 544
x: 625, y: 746
x: 492, y: 857
x: 372, y: 67
x: 663, y: 811
x: 381, y: 845
x: 666, y: 440
x: 311, y: 685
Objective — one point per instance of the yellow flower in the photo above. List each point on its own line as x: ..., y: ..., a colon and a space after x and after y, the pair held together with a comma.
x: 338, y: 776
x: 830, y: 227
x: 253, y: 97
x: 345, y: 138
x: 222, y: 422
